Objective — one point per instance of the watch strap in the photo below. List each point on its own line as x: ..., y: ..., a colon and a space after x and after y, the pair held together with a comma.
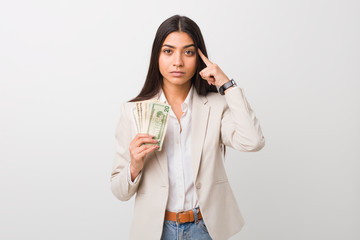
x: 227, y: 85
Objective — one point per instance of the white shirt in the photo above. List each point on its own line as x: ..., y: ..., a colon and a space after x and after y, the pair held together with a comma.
x: 182, y: 194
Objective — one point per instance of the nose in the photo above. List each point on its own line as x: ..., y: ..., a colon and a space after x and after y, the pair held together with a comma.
x: 178, y: 61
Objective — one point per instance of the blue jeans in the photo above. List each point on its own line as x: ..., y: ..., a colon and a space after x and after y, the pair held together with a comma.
x: 191, y: 230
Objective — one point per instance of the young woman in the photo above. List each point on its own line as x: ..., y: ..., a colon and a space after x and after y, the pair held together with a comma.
x: 182, y: 191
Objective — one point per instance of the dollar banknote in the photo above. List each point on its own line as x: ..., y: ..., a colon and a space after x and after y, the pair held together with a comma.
x: 152, y: 117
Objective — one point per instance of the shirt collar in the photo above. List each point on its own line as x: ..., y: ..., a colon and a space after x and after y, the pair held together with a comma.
x: 186, y: 104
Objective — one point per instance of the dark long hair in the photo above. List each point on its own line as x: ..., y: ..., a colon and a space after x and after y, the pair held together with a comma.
x: 154, y: 79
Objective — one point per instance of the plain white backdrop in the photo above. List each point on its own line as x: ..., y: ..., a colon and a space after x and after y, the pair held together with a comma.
x: 65, y: 67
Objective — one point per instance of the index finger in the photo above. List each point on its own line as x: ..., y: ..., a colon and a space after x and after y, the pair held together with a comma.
x: 141, y: 135
x: 204, y: 58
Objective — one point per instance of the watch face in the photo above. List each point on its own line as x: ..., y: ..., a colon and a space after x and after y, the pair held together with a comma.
x: 221, y: 90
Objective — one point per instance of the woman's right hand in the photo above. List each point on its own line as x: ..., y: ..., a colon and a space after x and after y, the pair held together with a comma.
x: 138, y: 151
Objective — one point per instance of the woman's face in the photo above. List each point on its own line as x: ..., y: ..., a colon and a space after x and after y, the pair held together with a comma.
x: 177, y: 60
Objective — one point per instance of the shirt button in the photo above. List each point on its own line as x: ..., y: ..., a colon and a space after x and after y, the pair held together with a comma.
x: 198, y: 185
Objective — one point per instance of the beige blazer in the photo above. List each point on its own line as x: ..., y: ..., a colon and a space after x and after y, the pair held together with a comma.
x: 216, y: 121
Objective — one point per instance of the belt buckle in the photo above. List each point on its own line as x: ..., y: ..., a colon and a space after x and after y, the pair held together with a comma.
x: 177, y: 218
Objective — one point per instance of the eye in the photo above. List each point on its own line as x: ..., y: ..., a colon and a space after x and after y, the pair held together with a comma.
x: 168, y: 51
x: 189, y: 52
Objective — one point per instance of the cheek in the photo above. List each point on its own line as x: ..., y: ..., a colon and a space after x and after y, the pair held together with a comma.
x: 162, y: 64
x: 192, y: 65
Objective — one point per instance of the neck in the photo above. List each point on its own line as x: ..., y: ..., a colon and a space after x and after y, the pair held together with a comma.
x: 175, y: 93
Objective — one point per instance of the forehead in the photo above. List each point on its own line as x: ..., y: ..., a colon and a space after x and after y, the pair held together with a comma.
x: 178, y: 39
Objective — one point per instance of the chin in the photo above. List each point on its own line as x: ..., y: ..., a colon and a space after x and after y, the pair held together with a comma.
x: 178, y: 81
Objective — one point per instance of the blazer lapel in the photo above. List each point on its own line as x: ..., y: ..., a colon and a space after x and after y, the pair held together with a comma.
x: 161, y: 155
x: 199, y: 120
x: 162, y: 160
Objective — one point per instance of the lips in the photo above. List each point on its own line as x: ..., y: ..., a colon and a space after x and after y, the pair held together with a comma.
x: 177, y: 73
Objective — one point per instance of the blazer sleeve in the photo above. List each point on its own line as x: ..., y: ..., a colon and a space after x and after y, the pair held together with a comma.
x: 240, y: 129
x: 121, y: 187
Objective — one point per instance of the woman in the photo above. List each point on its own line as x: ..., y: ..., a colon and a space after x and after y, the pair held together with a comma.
x: 183, y: 191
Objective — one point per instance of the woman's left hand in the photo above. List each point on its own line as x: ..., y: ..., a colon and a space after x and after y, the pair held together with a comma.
x: 212, y: 73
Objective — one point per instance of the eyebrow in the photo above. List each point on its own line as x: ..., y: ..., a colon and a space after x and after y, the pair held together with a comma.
x: 190, y: 45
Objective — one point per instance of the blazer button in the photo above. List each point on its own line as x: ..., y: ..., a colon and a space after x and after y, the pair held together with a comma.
x: 198, y: 185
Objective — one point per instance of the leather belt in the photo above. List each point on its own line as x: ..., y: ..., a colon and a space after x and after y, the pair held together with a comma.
x: 182, y: 217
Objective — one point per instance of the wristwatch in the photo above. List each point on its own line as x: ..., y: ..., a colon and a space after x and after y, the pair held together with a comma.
x: 226, y: 86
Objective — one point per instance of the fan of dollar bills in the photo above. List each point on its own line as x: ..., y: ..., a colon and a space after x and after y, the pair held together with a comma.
x: 151, y: 117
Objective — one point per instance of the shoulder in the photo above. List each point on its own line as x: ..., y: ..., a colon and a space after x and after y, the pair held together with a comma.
x: 126, y: 110
x: 216, y: 99
x: 126, y: 119
x: 127, y: 104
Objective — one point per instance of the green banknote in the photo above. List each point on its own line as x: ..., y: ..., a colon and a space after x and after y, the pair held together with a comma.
x: 152, y: 117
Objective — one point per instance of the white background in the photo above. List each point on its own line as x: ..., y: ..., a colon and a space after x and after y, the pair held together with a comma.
x: 65, y: 67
